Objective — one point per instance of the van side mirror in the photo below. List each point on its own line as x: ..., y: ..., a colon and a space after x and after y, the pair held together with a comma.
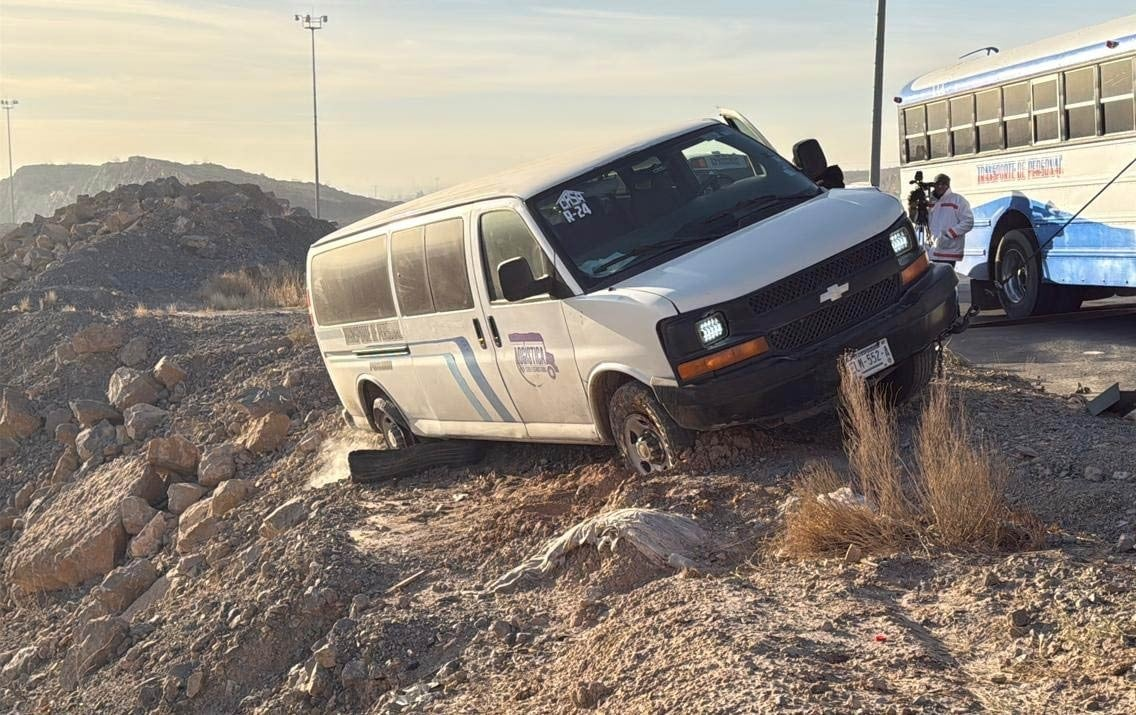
x: 809, y: 158
x: 517, y: 282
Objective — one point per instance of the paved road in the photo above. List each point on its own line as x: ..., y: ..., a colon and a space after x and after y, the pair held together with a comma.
x: 1094, y: 353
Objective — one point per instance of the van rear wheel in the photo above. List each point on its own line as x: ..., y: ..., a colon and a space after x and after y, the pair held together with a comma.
x: 649, y: 440
x: 391, y: 424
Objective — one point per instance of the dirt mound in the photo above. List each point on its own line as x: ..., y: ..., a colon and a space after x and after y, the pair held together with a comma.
x: 152, y: 244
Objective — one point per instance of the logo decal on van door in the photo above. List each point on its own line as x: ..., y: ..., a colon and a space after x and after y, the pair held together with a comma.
x: 534, y: 362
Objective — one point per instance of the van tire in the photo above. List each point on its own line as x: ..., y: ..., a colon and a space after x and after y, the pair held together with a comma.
x: 909, y: 378
x: 391, y: 424
x: 649, y: 440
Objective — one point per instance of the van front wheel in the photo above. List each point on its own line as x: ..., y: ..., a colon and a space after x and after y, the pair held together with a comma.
x: 649, y: 440
x: 391, y: 424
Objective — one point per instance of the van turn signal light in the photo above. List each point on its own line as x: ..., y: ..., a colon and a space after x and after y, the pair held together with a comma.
x: 917, y: 268
x: 723, y: 358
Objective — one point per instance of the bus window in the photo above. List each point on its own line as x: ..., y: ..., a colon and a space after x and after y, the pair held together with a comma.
x: 1046, y: 122
x: 1117, y: 97
x: 940, y: 139
x: 916, y: 137
x: 988, y: 113
x: 1081, y: 103
x: 962, y: 124
x: 1015, y: 103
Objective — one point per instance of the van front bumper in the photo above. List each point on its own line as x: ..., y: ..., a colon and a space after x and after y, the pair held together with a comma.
x: 777, y: 389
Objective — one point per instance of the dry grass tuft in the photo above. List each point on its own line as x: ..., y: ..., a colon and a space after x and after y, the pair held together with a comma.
x: 950, y: 494
x: 50, y: 298
x: 280, y: 286
x: 25, y: 305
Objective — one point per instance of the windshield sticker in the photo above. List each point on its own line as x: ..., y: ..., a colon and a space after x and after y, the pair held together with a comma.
x: 573, y: 205
x: 534, y: 362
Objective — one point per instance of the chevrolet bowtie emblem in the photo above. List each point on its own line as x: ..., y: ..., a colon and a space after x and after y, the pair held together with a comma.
x: 834, y: 292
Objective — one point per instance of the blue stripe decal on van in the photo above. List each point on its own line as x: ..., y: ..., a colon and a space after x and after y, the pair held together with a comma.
x: 453, y: 365
x: 477, y: 374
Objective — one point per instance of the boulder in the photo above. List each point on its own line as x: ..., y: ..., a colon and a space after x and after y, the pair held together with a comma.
x: 196, y: 526
x: 56, y: 233
x: 98, y: 338
x: 136, y: 513
x: 18, y: 419
x: 54, y: 418
x: 131, y: 387
x: 149, y: 540
x: 217, y: 465
x: 199, y: 245
x: 173, y: 454
x: 125, y: 584
x: 89, y: 413
x: 94, y: 646
x: 283, y: 518
x: 23, y: 498
x: 83, y: 231
x: 79, y: 535
x: 152, y: 596
x: 135, y: 352
x: 266, y: 433
x: 141, y: 419
x: 169, y: 373
x: 66, y: 433
x: 66, y: 465
x: 229, y: 495
x: 97, y: 442
x: 258, y: 401
x: 183, y: 495
x: 311, y: 442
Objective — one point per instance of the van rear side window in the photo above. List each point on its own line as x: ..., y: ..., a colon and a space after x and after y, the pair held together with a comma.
x: 351, y: 283
x: 445, y: 265
x: 409, y: 257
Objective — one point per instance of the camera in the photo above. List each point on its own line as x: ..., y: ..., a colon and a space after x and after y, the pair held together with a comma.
x: 917, y: 203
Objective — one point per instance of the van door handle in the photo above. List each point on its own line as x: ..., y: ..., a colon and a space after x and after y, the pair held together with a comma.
x: 480, y: 335
x: 493, y: 330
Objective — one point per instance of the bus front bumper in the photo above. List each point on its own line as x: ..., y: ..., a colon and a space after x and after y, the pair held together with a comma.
x: 778, y: 389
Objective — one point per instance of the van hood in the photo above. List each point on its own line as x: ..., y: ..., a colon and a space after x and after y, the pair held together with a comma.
x: 769, y: 250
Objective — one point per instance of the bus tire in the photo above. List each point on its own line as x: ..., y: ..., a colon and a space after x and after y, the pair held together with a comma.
x: 649, y: 440
x: 1019, y: 275
x: 391, y: 424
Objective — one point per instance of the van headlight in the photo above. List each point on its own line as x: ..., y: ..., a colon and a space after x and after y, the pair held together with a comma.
x: 712, y: 328
x: 902, y: 240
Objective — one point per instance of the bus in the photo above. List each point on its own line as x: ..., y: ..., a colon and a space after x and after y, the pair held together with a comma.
x: 1029, y: 136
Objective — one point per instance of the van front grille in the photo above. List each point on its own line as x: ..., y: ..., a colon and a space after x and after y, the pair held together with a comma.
x: 831, y: 319
x: 814, y: 279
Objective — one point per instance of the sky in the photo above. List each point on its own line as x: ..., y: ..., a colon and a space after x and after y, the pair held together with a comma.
x: 418, y: 94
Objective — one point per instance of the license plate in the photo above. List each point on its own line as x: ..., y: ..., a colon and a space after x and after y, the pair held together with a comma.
x: 869, y: 360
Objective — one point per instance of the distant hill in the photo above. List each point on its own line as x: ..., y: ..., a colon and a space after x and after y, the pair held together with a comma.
x: 889, y: 178
x: 42, y: 188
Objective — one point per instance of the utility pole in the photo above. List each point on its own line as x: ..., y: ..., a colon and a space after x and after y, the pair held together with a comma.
x: 877, y: 95
x: 313, y: 23
x: 8, y: 105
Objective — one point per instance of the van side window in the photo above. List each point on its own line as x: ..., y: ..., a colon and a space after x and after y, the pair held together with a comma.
x: 409, y: 259
x: 504, y: 235
x: 445, y: 265
x: 351, y: 284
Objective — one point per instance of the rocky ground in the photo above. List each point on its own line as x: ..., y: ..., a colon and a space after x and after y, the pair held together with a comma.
x: 178, y: 535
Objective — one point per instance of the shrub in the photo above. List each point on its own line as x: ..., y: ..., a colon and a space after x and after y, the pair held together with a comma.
x: 280, y: 286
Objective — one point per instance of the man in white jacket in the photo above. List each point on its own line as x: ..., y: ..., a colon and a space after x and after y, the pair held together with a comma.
x: 948, y: 222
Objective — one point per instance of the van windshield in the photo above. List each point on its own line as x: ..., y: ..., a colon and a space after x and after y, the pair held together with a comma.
x: 655, y: 204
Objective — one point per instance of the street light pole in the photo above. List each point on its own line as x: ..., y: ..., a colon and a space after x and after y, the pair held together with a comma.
x: 313, y: 23
x: 8, y: 105
x: 877, y: 95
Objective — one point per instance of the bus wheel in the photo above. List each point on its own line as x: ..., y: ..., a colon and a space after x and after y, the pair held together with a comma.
x: 391, y: 424
x: 1019, y: 275
x: 648, y: 438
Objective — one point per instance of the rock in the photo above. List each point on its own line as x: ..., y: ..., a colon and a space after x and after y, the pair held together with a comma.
x: 1020, y: 618
x: 325, y: 656
x: 266, y: 433
x: 96, y: 442
x: 131, y: 387
x: 991, y: 580
x: 199, y: 245
x: 217, y: 465
x: 587, y: 695
x: 125, y: 584
x: 56, y: 417
x: 18, y: 419
x: 56, y: 233
x: 8, y: 447
x: 1094, y: 474
x: 854, y: 554
x: 153, y: 595
x: 169, y: 373
x: 23, y: 498
x: 294, y: 379
x: 19, y: 663
x: 1121, y: 476
x: 8, y: 519
x: 283, y: 518
x: 89, y: 413
x: 196, y: 527
x: 503, y: 630
x: 93, y: 647
x: 228, y: 495
x: 141, y: 419
x: 354, y: 673
x: 317, y: 681
x: 149, y: 540
x: 66, y: 465
x: 135, y: 352
x: 1126, y: 542
x: 194, y: 683
x: 257, y: 402
x: 183, y: 495
x: 98, y: 338
x: 174, y: 454
x: 83, y: 231
x: 79, y: 535
x: 66, y: 433
x: 311, y: 442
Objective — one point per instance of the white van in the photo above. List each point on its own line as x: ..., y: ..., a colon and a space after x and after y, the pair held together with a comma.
x: 624, y: 296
